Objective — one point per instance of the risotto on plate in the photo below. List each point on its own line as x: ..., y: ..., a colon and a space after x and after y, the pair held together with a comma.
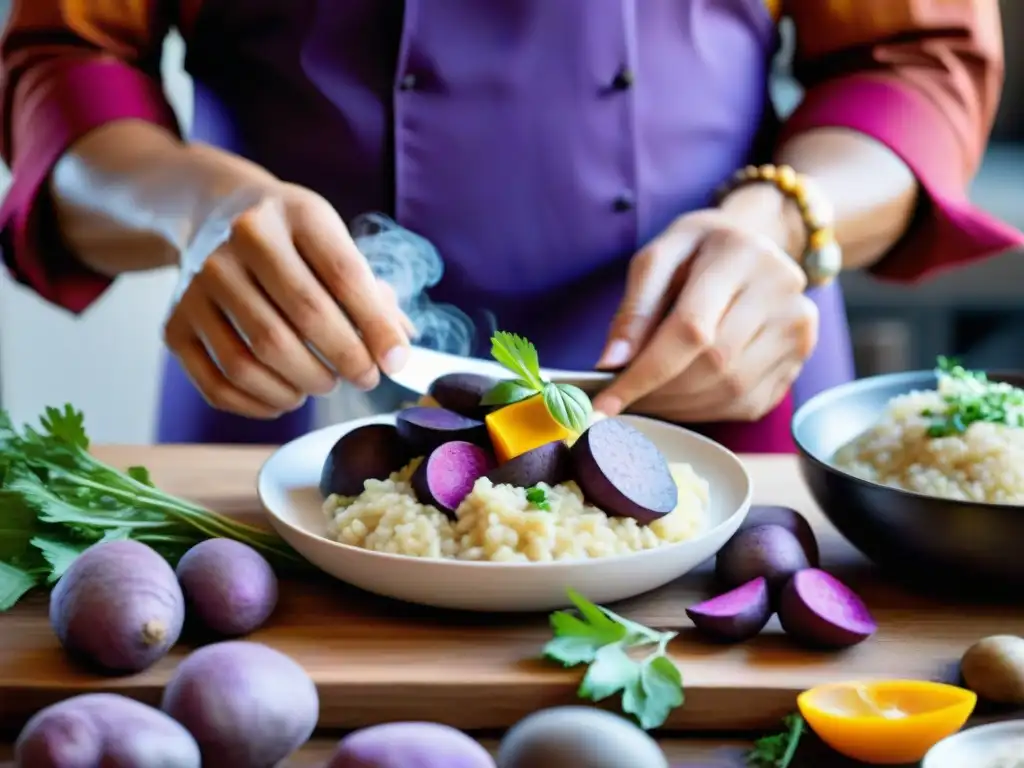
x: 500, y: 523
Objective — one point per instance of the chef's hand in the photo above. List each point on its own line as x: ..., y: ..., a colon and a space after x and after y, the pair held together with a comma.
x: 715, y: 325
x: 288, y: 278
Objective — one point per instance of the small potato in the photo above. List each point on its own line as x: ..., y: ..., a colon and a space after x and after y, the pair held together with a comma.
x: 103, y: 730
x: 410, y: 745
x: 994, y: 669
x: 248, y: 705
x: 229, y: 586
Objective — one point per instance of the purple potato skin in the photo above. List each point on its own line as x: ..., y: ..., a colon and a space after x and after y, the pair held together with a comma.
x: 623, y: 473
x: 409, y: 745
x: 548, y: 463
x: 424, y: 429
x: 370, y: 452
x: 462, y: 393
x: 104, y: 729
x: 765, y: 550
x: 246, y: 704
x: 228, y: 586
x: 803, y: 619
x: 118, y: 607
x: 448, y: 474
x: 792, y: 521
x: 735, y: 616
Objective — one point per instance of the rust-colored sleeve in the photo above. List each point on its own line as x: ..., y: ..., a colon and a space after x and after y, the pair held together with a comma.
x: 67, y: 67
x: 923, y: 77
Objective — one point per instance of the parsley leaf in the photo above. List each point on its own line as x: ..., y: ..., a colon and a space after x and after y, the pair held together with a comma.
x: 969, y: 397
x: 538, y: 497
x: 567, y: 404
x: 779, y: 750
x: 650, y: 688
x: 508, y: 392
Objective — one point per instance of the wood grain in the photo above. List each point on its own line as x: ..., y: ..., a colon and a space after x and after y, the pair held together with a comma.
x: 376, y: 660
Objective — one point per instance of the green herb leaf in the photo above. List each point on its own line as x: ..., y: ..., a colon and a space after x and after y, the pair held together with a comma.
x: 508, y: 392
x: 568, y: 405
x: 59, y: 554
x: 779, y: 750
x: 140, y: 475
x: 538, y: 497
x: 15, y: 582
x: 519, y: 356
x: 650, y: 688
x: 968, y: 398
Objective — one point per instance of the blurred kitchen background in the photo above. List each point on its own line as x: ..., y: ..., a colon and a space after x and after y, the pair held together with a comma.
x: 108, y: 361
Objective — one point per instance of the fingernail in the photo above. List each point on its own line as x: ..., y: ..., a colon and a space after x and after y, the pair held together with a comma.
x: 608, y: 405
x: 616, y: 355
x: 395, y: 360
x: 368, y: 381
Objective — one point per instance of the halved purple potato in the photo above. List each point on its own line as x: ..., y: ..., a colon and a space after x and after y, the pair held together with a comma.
x: 622, y: 472
x: 448, y: 474
x: 370, y: 452
x: 548, y: 463
x: 820, y: 611
x: 424, y: 428
x: 736, y: 615
x: 792, y: 521
x: 462, y: 393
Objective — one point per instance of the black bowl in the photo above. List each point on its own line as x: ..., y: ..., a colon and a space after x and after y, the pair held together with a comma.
x: 933, y: 542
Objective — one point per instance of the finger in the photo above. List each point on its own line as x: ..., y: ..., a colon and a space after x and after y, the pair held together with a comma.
x: 719, y: 273
x: 273, y: 342
x: 769, y: 392
x: 235, y: 360
x: 266, y: 248
x: 325, y: 243
x: 649, y: 293
x: 207, y: 377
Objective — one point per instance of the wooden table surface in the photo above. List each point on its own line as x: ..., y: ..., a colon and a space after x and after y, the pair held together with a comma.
x: 376, y: 660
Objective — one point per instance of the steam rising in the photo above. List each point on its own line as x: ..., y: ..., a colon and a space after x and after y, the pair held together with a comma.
x: 412, y: 265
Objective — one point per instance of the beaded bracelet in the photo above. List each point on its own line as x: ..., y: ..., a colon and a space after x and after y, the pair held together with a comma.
x: 822, y: 259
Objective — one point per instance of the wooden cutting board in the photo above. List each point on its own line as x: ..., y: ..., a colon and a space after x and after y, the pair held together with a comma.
x: 376, y: 660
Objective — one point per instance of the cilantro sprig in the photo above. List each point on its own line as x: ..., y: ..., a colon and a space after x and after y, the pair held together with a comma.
x: 779, y: 750
x: 56, y: 500
x: 969, y: 397
x: 538, y: 496
x: 567, y: 404
x: 651, y: 686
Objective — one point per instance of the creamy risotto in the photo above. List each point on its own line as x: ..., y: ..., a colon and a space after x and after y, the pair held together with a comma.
x: 498, y: 523
x: 961, y: 441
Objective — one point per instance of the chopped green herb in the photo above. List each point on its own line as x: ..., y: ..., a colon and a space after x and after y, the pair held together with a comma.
x: 778, y: 751
x: 56, y: 500
x: 651, y: 687
x: 568, y: 405
x: 538, y: 497
x: 968, y: 398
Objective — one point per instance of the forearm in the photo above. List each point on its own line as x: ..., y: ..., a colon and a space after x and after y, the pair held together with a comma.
x: 873, y: 193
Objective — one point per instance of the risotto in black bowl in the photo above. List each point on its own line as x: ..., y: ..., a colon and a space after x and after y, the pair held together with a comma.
x: 923, y: 472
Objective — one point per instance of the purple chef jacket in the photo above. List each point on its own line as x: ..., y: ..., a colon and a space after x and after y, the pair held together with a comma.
x: 536, y: 144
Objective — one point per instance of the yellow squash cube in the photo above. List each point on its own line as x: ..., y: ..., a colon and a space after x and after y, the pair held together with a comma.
x: 523, y: 426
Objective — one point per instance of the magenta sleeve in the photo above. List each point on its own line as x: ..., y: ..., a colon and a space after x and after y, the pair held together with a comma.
x: 949, y: 231
x: 50, y: 113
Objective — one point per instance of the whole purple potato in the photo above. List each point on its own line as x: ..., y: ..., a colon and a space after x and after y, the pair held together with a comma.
x: 228, y: 586
x: 118, y: 606
x: 409, y: 745
x: 248, y: 705
x: 103, y: 729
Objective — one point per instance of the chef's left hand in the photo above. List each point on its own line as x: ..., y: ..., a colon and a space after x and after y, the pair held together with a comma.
x: 715, y: 325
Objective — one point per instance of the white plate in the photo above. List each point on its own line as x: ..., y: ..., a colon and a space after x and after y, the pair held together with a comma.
x: 426, y: 366
x: 288, y: 489
x: 978, y: 747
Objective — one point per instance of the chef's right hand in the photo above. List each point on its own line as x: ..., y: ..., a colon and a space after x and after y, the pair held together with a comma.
x: 288, y: 277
